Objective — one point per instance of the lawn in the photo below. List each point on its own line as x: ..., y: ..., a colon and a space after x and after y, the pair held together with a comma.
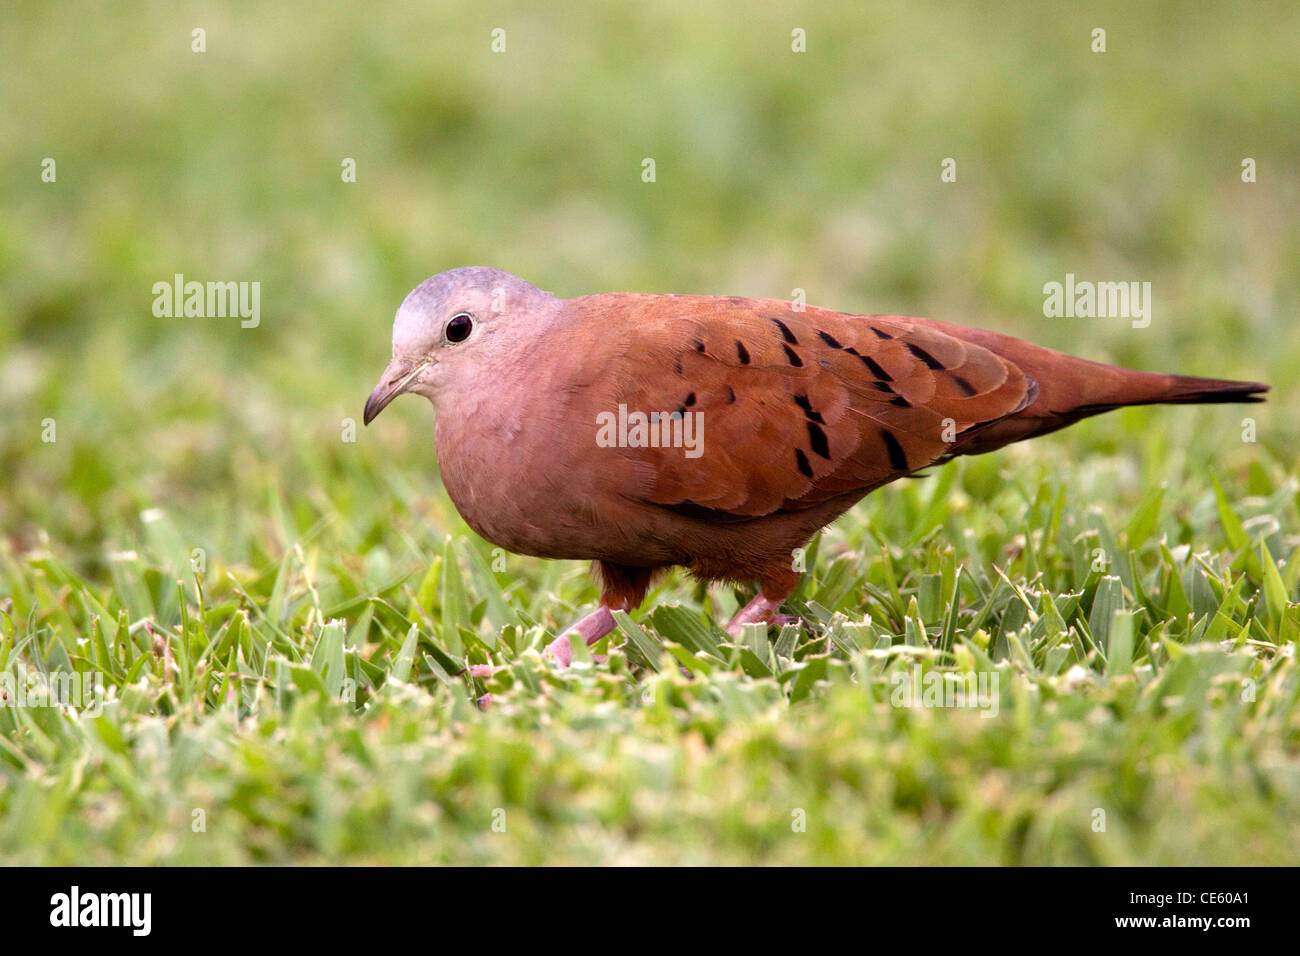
x: 279, y: 608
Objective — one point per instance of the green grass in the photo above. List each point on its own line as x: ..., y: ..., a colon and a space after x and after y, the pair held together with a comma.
x: 282, y: 619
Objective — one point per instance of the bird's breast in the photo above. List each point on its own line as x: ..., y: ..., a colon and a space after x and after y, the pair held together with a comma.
x: 511, y: 472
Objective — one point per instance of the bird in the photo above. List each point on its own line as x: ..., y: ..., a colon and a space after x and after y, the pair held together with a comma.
x: 714, y: 433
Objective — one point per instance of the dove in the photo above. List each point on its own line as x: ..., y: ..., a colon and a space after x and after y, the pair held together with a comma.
x: 714, y: 433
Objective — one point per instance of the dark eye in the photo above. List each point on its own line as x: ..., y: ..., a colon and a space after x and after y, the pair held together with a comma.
x: 459, y: 327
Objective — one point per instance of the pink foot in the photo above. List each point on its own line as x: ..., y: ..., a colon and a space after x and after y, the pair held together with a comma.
x: 761, y: 610
x: 591, y: 629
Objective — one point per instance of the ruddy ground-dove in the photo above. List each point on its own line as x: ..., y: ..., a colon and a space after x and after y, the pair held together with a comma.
x: 716, y: 433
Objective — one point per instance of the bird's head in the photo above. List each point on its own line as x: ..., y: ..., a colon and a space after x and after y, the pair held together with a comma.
x: 453, y: 329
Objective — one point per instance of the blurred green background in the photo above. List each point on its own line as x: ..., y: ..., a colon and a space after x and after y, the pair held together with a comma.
x: 775, y: 170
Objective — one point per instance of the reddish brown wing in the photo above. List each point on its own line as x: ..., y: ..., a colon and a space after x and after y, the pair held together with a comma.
x: 796, y: 407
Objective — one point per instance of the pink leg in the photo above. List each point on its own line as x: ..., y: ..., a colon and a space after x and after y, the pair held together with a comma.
x: 591, y: 628
x: 761, y: 610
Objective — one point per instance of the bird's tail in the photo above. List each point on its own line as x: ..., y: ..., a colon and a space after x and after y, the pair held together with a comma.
x: 1149, y: 388
x: 1069, y: 389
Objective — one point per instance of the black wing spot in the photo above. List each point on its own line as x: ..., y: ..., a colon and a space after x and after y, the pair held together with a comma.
x: 966, y: 387
x: 929, y: 360
x: 818, y: 439
x: 829, y: 339
x: 742, y: 353
x: 803, y: 402
x: 699, y: 346
x: 851, y: 350
x: 900, y: 401
x: 690, y: 399
x: 785, y: 331
x: 793, y: 356
x: 678, y: 368
x: 801, y: 460
x: 897, y: 458
x: 883, y: 387
x: 731, y: 394
x: 875, y: 368
x: 880, y: 334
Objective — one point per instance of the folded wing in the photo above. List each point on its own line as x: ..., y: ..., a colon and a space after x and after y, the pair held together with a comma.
x: 796, y: 407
